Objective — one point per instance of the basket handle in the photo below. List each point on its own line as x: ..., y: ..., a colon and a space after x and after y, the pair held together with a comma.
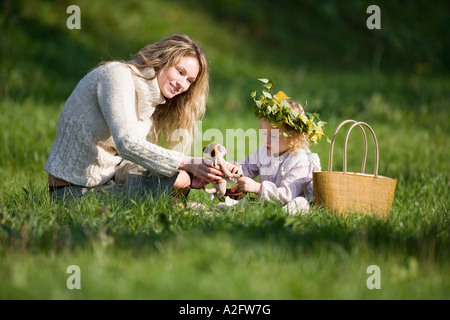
x: 374, y: 140
x: 330, y: 160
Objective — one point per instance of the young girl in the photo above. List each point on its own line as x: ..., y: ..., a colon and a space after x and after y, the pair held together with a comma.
x: 284, y: 165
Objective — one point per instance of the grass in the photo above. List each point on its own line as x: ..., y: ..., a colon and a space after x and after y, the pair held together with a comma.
x: 150, y: 249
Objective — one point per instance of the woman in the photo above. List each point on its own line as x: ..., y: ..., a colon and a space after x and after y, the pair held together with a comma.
x: 108, y: 131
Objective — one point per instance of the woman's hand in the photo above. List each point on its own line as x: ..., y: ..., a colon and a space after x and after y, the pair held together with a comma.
x: 201, y: 168
x: 197, y: 183
x: 247, y: 184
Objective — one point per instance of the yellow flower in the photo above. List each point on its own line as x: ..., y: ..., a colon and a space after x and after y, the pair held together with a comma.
x: 310, y: 124
x: 315, y: 137
x: 280, y: 96
x: 319, y: 130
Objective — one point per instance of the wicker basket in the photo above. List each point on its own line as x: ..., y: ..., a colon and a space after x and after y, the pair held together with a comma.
x: 346, y: 192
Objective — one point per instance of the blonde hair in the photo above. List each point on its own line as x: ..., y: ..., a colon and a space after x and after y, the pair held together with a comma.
x: 297, y: 140
x: 182, y: 111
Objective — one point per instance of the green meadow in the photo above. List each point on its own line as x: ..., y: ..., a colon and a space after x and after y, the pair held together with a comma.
x: 395, y: 78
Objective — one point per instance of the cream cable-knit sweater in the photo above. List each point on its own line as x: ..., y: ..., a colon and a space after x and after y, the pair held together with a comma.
x: 106, y: 119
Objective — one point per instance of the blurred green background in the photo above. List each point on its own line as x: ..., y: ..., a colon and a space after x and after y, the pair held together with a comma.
x: 42, y: 59
x: 395, y: 78
x: 320, y: 52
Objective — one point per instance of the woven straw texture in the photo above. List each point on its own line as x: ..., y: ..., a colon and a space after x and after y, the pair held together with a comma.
x: 347, y: 192
x: 354, y: 192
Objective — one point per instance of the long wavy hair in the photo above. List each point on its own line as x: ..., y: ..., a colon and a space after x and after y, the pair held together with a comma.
x: 179, y: 116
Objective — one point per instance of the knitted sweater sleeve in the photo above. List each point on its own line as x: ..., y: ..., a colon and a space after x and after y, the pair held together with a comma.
x: 117, y: 99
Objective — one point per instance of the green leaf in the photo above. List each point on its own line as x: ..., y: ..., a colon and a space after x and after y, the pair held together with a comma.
x: 279, y: 116
x: 267, y: 94
x: 268, y: 85
x: 284, y: 105
x: 304, y: 118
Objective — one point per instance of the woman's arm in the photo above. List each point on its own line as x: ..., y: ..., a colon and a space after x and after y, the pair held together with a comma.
x: 117, y: 100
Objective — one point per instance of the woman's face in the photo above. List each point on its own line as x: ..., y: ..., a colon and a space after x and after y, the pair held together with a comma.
x: 178, y: 79
x: 274, y: 140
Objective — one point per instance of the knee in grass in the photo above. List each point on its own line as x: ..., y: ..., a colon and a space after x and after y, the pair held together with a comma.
x: 298, y: 205
x: 182, y: 183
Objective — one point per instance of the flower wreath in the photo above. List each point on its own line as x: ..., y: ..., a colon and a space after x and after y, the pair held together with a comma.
x: 276, y: 110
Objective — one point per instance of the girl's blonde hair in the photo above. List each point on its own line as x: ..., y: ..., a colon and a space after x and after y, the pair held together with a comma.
x: 182, y: 111
x: 297, y: 140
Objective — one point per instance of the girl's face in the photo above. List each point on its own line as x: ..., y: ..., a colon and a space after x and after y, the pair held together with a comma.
x: 274, y: 140
x: 178, y: 79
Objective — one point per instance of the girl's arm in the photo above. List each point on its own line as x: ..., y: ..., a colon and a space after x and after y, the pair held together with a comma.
x: 247, y: 184
x: 293, y: 182
x: 250, y: 165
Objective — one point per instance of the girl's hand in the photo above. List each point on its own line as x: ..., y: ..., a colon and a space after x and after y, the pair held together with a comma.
x: 247, y: 184
x: 234, y: 168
